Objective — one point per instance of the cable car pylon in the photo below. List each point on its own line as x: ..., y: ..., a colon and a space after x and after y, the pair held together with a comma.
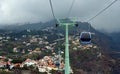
x: 66, y: 23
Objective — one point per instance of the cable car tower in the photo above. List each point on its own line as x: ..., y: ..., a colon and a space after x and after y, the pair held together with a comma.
x: 66, y: 23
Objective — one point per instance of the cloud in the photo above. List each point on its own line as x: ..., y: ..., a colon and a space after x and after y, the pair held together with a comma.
x: 21, y: 11
x: 109, y: 19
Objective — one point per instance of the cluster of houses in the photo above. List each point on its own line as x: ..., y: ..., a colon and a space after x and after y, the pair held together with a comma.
x: 46, y: 64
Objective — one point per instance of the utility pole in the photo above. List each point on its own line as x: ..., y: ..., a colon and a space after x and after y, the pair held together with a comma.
x: 66, y: 23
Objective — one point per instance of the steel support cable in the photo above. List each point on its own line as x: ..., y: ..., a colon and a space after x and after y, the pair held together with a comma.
x: 52, y: 9
x: 100, y: 13
x: 102, y: 10
x: 70, y: 9
x: 89, y: 26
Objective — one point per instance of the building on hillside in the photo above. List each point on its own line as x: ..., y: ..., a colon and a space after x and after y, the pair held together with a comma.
x: 15, y: 50
x: 2, y: 64
x: 29, y: 62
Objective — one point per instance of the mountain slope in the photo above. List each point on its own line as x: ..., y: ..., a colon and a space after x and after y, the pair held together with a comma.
x: 83, y: 60
x: 101, y: 39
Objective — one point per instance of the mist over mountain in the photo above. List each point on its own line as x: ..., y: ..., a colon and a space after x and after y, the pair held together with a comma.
x: 14, y: 11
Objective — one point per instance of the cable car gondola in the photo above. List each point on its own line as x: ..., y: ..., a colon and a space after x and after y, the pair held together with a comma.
x: 85, y: 37
x: 57, y: 64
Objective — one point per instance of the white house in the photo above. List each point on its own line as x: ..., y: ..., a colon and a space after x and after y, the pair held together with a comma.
x: 29, y: 62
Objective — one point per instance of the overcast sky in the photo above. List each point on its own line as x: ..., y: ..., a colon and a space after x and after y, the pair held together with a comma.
x: 21, y: 11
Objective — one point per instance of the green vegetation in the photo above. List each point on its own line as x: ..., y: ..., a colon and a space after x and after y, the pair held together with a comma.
x: 18, y: 60
x: 6, y: 72
x: 81, y: 60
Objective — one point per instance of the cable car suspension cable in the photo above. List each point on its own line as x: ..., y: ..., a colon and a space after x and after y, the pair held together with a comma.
x: 102, y: 10
x: 52, y: 9
x: 100, y: 13
x: 70, y: 9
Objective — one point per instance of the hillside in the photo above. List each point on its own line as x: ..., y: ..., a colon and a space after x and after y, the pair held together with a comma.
x: 116, y: 39
x: 93, y: 59
x: 107, y: 41
x: 103, y: 40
